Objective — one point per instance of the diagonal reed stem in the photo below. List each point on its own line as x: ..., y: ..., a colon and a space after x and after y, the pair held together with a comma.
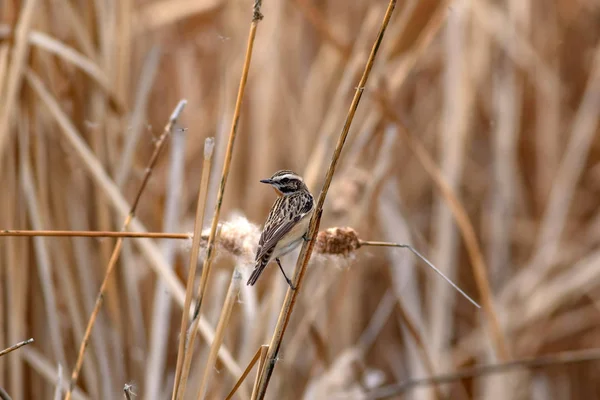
x: 118, y: 245
x: 181, y: 379
x: 261, y: 364
x: 415, y: 252
x: 15, y: 347
x: 246, y: 372
x: 307, y: 247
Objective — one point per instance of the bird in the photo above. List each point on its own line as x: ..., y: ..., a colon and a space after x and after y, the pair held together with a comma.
x: 286, y: 225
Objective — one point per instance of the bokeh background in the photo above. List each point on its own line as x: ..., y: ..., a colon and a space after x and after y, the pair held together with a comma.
x: 475, y: 141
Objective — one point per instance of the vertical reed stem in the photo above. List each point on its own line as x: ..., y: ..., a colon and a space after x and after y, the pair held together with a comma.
x: 187, y: 360
x: 290, y: 298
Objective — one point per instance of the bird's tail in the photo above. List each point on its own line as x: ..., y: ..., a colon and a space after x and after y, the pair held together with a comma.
x: 258, y: 269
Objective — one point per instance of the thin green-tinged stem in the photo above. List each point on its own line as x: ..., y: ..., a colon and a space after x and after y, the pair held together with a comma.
x: 118, y: 245
x: 307, y: 247
x: 181, y: 379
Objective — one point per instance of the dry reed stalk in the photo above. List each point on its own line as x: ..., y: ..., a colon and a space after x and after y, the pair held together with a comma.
x: 114, y: 256
x: 422, y: 43
x: 296, y: 343
x: 3, y: 339
x: 124, y: 47
x: 186, y: 356
x: 262, y: 359
x: 554, y: 221
x: 465, y: 226
x: 149, y: 251
x: 96, y: 234
x: 565, y: 357
x: 507, y: 98
x: 16, y: 346
x: 454, y: 135
x: 181, y: 377
x: 42, y: 252
x: 333, y: 241
x: 67, y: 287
x: 4, y: 395
x: 48, y: 371
x: 498, y: 25
x: 230, y: 299
x: 318, y: 157
x: 246, y: 372
x: 508, y: 101
x: 193, y: 263
x: 156, y: 15
x: 318, y: 21
x: 81, y: 34
x: 16, y: 71
x: 307, y: 247
x: 379, y: 173
x: 417, y: 336
x: 4, y: 51
x: 95, y: 169
x: 147, y: 79
x: 59, y: 383
x: 17, y: 282
x: 87, y: 65
x: 99, y: 141
x: 161, y: 313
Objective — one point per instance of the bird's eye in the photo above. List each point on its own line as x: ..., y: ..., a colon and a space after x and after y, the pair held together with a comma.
x: 285, y: 180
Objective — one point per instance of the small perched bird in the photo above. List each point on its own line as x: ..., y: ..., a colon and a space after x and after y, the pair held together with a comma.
x: 287, y: 223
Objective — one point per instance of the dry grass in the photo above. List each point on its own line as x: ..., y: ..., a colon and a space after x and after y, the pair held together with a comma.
x: 475, y: 142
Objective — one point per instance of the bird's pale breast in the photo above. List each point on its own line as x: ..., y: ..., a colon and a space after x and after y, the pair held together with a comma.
x: 293, y: 238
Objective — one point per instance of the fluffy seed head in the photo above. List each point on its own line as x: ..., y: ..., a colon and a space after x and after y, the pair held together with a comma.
x: 337, y: 241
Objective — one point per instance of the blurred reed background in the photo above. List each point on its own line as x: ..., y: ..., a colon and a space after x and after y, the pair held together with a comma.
x: 475, y: 142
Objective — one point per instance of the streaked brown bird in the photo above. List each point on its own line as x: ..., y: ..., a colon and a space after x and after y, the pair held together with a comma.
x: 287, y: 223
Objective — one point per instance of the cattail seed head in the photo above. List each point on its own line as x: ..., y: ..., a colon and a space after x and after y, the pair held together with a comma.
x: 337, y: 241
x: 237, y: 237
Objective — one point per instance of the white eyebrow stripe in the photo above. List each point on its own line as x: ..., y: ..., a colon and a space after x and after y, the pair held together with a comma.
x: 289, y: 176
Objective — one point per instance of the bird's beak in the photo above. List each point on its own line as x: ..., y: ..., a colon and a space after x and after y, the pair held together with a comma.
x: 267, y: 181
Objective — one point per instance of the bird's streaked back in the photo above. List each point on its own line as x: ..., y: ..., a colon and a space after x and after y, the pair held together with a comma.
x: 286, y: 223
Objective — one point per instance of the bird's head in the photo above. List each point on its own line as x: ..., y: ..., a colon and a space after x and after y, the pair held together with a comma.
x: 285, y: 182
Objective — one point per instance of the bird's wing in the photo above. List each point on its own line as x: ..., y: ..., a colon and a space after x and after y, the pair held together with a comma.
x: 276, y: 228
